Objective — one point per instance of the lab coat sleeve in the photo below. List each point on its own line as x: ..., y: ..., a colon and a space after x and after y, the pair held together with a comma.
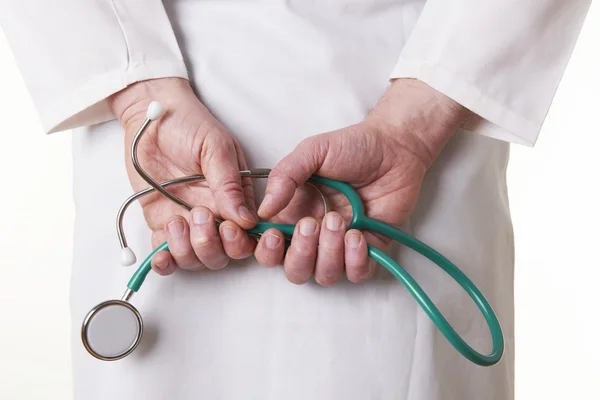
x: 73, y: 54
x: 502, y: 59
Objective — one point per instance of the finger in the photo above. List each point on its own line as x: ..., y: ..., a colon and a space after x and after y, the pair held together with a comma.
x: 163, y: 263
x: 246, y: 181
x: 358, y: 265
x: 205, y: 239
x: 270, y: 248
x: 330, y: 257
x: 158, y: 238
x: 178, y: 238
x: 290, y: 173
x: 236, y: 242
x: 220, y: 165
x: 299, y: 263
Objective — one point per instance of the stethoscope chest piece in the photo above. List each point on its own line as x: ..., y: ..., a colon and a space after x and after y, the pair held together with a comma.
x: 112, y: 330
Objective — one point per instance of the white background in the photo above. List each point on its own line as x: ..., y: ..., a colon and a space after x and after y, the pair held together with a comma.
x: 555, y: 201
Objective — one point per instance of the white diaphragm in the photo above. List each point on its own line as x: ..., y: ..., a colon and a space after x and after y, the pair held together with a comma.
x: 112, y: 330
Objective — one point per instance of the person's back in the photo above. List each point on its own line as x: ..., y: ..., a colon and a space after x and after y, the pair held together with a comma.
x: 269, y: 75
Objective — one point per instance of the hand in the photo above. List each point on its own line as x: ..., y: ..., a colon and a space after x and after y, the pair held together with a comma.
x: 384, y: 158
x: 187, y: 140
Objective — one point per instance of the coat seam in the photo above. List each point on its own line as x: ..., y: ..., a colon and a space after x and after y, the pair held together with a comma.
x: 125, y: 39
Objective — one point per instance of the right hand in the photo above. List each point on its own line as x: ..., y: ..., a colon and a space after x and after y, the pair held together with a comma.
x: 187, y: 140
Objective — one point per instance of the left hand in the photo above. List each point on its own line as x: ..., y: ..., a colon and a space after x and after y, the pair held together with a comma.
x: 384, y: 158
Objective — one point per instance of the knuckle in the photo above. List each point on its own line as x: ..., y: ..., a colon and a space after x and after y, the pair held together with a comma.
x: 307, y: 145
x: 239, y: 250
x: 326, y: 279
x: 246, y: 183
x: 281, y: 178
x: 217, y: 263
x: 163, y: 272
x: 360, y: 274
x: 330, y: 247
x: 313, y: 148
x: 267, y: 257
x: 202, y: 241
x: 296, y: 279
x: 230, y: 178
x: 157, y: 238
x: 263, y: 259
x: 217, y: 140
x: 230, y: 185
x: 191, y: 265
x: 303, y: 250
x: 179, y: 253
x: 298, y: 274
x: 268, y: 261
x: 240, y: 254
x: 197, y: 267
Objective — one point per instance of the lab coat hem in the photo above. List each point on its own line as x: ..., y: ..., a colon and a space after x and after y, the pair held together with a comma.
x: 86, y: 104
x: 493, y: 119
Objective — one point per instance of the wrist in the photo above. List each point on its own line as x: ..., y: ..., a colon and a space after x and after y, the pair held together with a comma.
x: 133, y: 101
x: 411, y: 109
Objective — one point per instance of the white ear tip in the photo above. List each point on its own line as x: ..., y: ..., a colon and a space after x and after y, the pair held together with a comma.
x: 155, y: 111
x: 127, y: 257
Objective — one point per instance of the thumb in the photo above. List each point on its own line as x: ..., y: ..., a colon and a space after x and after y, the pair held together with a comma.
x: 219, y: 163
x: 292, y: 172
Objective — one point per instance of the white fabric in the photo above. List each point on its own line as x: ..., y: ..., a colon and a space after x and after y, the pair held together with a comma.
x: 501, y: 59
x: 73, y: 54
x: 276, y: 72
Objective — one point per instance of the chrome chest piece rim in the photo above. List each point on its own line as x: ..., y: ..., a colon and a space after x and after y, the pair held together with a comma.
x: 94, y: 312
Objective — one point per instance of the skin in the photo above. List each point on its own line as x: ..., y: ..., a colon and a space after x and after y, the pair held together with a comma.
x: 384, y: 158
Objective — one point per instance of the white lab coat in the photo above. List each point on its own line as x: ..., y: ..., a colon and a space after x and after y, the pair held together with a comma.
x: 275, y: 72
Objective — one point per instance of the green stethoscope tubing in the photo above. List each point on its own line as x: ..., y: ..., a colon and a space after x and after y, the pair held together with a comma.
x: 361, y: 222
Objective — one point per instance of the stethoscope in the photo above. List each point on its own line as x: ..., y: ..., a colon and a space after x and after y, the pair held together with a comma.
x: 113, y: 329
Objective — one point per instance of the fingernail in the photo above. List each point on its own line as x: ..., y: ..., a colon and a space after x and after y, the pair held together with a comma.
x: 334, y: 222
x: 246, y: 215
x: 161, y: 265
x: 200, y: 216
x: 308, y: 227
x: 228, y: 232
x: 272, y: 241
x: 265, y: 202
x: 353, y: 240
x: 176, y: 228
